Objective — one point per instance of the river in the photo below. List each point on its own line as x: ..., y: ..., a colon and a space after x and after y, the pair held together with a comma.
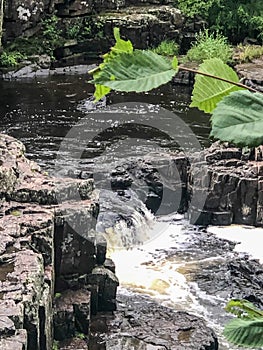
x: 168, y: 259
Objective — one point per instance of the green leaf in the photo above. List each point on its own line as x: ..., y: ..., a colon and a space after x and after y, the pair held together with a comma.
x: 238, y: 119
x: 100, y: 91
x: 209, y: 91
x: 139, y: 71
x: 245, y: 332
x: 243, y: 308
x: 121, y: 46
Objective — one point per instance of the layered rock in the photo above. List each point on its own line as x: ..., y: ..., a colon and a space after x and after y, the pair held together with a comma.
x: 47, y: 246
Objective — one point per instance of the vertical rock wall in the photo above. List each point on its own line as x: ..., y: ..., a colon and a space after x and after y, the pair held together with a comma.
x: 42, y: 258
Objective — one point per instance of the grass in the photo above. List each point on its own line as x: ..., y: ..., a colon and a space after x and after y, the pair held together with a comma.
x: 167, y: 48
x: 209, y: 45
x: 246, y: 53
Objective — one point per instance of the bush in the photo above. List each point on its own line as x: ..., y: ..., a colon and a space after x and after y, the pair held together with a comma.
x: 167, y: 48
x: 236, y: 19
x: 209, y: 46
x: 10, y: 59
x: 246, y: 53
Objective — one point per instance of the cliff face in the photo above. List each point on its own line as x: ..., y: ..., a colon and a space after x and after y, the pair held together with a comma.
x: 48, y: 248
x: 87, y: 26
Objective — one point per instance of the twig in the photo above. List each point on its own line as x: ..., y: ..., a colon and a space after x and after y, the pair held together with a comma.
x: 218, y: 78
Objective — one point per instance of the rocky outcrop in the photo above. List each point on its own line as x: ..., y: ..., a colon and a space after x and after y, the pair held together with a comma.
x: 48, y: 246
x: 142, y: 323
x: 84, y: 29
x: 231, y: 184
x: 218, y: 186
x: 252, y: 73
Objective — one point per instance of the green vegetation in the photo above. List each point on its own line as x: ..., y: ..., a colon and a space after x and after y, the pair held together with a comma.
x: 53, y: 34
x: 55, y: 345
x: 216, y: 90
x: 247, y: 329
x: 209, y: 45
x: 80, y: 336
x: 167, y: 48
x: 236, y: 19
x: 10, y: 59
x: 246, y: 53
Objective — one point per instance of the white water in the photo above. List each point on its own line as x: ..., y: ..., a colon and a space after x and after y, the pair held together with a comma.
x: 149, y: 270
x: 249, y: 239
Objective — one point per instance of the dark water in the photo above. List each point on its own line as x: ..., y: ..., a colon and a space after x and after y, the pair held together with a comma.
x: 40, y: 113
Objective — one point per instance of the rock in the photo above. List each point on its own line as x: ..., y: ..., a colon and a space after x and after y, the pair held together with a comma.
x: 155, y: 327
x: 72, y: 314
x: 73, y: 344
x: 47, y: 244
x: 7, y: 326
x: 145, y: 26
x: 108, y: 283
x: 15, y: 342
x: 252, y: 73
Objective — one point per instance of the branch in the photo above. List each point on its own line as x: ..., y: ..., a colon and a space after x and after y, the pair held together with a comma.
x: 218, y: 78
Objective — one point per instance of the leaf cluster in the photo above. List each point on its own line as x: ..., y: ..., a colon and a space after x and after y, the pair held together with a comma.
x: 209, y: 45
x: 247, y: 329
x: 237, y: 114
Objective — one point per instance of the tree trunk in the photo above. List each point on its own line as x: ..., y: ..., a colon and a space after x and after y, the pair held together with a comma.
x: 1, y: 20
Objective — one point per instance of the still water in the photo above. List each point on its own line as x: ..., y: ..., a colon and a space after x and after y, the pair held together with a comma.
x: 40, y: 113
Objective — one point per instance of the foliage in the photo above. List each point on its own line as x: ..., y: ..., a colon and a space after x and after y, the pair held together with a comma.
x: 141, y: 71
x: 52, y: 34
x: 121, y: 46
x: 126, y: 70
x: 55, y: 345
x: 246, y: 53
x: 236, y: 19
x: 247, y: 329
x: 208, y: 92
x: 235, y: 121
x: 209, y: 45
x: 73, y: 31
x: 10, y: 59
x: 192, y: 8
x: 80, y: 336
x: 167, y: 48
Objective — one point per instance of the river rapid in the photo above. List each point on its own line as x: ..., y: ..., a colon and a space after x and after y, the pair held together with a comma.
x: 177, y: 264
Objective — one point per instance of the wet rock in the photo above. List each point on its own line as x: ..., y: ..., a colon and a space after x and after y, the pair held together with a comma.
x: 108, y: 283
x: 252, y: 73
x: 72, y: 314
x: 73, y: 344
x: 101, y: 249
x: 140, y: 321
x: 41, y: 217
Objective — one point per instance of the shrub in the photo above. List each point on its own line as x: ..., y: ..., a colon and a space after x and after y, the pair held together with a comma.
x: 236, y: 19
x: 246, y: 53
x: 167, y: 48
x: 209, y: 46
x: 10, y: 59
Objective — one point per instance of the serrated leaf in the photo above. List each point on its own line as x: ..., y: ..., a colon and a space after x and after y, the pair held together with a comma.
x: 121, y: 46
x: 100, y: 91
x: 238, y: 119
x: 139, y: 71
x: 246, y: 333
x: 243, y: 308
x: 208, y: 92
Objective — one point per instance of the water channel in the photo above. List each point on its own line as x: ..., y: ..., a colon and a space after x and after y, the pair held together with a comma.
x: 171, y: 253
